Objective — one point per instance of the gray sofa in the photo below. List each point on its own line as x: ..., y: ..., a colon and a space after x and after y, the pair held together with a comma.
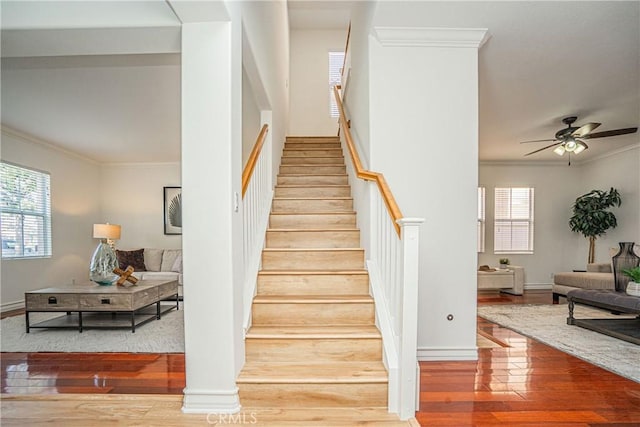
x: 156, y: 264
x: 597, y: 276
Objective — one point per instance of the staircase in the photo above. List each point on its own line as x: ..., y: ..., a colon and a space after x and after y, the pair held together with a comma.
x: 313, y: 342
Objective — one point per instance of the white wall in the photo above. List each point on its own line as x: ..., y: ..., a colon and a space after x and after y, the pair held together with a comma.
x: 250, y: 118
x: 132, y: 195
x: 75, y: 192
x: 620, y: 170
x: 310, y: 81
x: 556, y: 247
x: 554, y: 243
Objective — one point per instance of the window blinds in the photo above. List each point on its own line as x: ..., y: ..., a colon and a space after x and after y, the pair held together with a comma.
x: 513, y: 227
x: 336, y: 59
x: 25, y: 212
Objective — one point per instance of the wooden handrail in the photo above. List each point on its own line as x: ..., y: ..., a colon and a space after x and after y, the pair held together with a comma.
x: 253, y: 158
x: 385, y: 191
x: 346, y: 49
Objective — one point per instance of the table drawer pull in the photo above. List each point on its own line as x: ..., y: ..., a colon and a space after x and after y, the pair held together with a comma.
x: 105, y: 301
x: 53, y: 300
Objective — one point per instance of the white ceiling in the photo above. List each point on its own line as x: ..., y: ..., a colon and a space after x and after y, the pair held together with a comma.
x: 544, y: 61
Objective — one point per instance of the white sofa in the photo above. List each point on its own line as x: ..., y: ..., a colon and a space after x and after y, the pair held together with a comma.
x: 159, y: 264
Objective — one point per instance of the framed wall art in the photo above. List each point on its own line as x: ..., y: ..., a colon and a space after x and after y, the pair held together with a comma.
x: 172, y: 210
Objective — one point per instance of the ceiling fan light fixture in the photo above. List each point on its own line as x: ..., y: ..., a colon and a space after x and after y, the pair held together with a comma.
x: 570, y: 144
x: 559, y: 150
x: 580, y: 148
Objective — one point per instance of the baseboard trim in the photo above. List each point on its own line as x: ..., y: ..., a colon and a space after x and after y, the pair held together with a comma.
x: 211, y: 401
x: 9, y: 306
x: 537, y: 286
x: 432, y: 354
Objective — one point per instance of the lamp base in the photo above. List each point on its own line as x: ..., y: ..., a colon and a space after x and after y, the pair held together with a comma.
x: 103, y: 262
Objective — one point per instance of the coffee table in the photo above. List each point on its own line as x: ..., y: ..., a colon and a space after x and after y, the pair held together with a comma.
x: 101, y: 306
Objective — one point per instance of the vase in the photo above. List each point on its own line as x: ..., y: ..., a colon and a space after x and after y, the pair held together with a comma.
x: 625, y: 259
x: 103, y: 262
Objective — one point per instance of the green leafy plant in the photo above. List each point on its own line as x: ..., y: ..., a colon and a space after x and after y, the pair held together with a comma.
x: 504, y: 261
x: 591, y: 217
x: 633, y: 273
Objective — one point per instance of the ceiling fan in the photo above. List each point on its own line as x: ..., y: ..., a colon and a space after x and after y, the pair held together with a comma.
x: 572, y: 138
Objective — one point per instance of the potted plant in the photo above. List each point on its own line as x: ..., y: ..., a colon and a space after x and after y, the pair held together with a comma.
x: 504, y: 262
x: 633, y: 288
x: 591, y: 217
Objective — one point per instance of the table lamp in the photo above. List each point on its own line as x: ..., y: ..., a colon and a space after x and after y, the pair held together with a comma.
x: 104, y: 260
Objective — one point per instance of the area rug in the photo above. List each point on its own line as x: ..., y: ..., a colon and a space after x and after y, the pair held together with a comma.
x: 547, y: 324
x: 158, y: 336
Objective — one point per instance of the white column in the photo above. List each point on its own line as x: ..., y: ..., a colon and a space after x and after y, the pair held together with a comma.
x: 409, y: 382
x: 424, y: 138
x: 208, y: 211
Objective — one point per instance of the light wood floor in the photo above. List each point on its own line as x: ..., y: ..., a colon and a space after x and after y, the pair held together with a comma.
x: 523, y: 383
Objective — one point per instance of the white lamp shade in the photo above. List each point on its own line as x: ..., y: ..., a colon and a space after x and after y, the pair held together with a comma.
x: 580, y: 148
x: 559, y: 150
x: 106, y: 231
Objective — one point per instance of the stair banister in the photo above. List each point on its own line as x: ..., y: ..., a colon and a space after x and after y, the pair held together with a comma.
x: 257, y: 192
x: 247, y: 172
x: 362, y: 173
x: 393, y: 271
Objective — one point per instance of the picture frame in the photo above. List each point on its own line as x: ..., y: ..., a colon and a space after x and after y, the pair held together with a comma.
x: 172, y: 210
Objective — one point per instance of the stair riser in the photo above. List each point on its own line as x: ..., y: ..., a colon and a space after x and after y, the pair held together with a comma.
x: 313, y: 239
x: 312, y: 161
x: 332, y: 221
x: 311, y: 170
x: 311, y: 284
x: 314, y: 180
x: 308, y: 145
x: 313, y: 260
x: 318, y: 152
x: 318, y: 350
x: 312, y: 192
x: 313, y: 395
x: 307, y: 205
x: 357, y: 313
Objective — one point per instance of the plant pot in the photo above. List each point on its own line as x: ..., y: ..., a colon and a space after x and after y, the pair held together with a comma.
x: 633, y: 288
x: 504, y: 266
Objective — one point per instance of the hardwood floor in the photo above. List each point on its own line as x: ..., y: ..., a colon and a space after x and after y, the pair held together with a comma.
x: 524, y: 384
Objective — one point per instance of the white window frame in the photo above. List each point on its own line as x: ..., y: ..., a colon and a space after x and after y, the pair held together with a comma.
x: 336, y: 61
x: 481, y: 219
x: 41, y: 212
x: 507, y: 219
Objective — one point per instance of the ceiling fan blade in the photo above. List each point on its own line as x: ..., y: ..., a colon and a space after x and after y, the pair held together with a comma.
x: 584, y: 129
x: 543, y: 148
x: 538, y: 140
x: 607, y: 133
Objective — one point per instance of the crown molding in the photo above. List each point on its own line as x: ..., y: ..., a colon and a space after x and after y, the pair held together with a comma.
x: 611, y: 153
x: 431, y: 37
x: 6, y: 130
x: 138, y: 164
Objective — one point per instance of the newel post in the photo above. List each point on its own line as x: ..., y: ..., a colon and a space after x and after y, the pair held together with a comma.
x: 408, y: 358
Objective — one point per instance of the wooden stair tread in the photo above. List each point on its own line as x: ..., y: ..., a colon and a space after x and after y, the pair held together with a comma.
x: 313, y: 198
x: 312, y: 299
x: 311, y: 230
x: 307, y: 175
x: 314, y: 213
x: 311, y: 272
x: 313, y: 332
x: 313, y: 185
x: 312, y: 373
x: 312, y: 249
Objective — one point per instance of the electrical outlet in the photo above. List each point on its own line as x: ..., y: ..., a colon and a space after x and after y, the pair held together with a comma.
x: 73, y: 281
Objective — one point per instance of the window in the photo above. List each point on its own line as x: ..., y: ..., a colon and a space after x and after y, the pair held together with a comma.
x: 336, y: 59
x: 480, y: 219
x: 25, y: 212
x: 513, y: 229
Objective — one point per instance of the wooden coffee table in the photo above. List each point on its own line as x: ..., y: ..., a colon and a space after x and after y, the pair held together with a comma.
x: 94, y: 306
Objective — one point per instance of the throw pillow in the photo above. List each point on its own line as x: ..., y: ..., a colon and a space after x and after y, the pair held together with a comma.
x: 134, y: 259
x: 153, y: 259
x: 177, y: 265
x: 169, y: 258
